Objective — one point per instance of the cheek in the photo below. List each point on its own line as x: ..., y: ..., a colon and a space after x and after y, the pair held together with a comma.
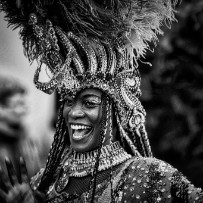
x: 66, y: 113
x: 95, y: 116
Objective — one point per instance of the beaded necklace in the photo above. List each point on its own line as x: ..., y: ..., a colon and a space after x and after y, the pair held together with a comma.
x: 82, y: 164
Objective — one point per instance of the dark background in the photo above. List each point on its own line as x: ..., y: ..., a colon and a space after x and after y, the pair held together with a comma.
x: 173, y: 93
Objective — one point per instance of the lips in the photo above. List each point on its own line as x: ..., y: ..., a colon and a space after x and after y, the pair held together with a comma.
x: 80, y: 132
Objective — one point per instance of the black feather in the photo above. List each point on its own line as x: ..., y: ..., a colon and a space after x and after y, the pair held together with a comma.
x: 110, y: 19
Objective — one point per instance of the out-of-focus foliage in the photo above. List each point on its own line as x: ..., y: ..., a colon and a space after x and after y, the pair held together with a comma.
x: 173, y: 93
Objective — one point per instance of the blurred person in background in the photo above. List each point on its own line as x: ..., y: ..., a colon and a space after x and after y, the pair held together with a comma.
x: 13, y: 109
x: 15, y: 137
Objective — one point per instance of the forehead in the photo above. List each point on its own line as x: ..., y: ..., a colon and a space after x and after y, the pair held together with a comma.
x: 89, y: 92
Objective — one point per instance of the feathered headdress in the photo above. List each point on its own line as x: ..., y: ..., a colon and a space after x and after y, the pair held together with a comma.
x: 91, y: 43
x: 134, y: 22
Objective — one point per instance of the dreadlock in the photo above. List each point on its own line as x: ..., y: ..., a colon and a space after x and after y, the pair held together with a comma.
x: 110, y: 120
x: 92, y: 184
x: 145, y: 140
x: 138, y: 142
x: 55, y: 153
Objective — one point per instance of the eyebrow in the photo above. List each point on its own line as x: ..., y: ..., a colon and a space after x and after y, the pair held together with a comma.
x: 85, y: 96
x: 90, y: 95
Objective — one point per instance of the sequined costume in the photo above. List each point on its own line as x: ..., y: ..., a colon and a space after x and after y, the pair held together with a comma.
x: 137, y: 179
x: 99, y: 44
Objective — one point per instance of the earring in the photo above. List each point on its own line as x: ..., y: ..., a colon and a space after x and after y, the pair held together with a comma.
x: 136, y: 121
x: 124, y: 134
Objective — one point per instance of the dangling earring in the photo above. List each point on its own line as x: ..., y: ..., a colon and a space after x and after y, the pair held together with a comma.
x: 137, y: 119
x: 126, y: 137
x: 136, y: 124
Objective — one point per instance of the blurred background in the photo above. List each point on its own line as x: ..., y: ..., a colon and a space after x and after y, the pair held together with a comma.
x: 172, y: 96
x: 173, y: 93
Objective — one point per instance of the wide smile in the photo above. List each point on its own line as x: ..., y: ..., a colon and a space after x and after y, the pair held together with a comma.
x: 80, y: 131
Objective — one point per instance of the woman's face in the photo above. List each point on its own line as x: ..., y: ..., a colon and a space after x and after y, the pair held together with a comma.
x: 83, y: 116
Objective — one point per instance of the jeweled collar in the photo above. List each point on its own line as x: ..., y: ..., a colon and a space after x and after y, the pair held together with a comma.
x: 82, y: 164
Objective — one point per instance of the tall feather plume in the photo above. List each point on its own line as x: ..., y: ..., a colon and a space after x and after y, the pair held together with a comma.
x: 135, y: 22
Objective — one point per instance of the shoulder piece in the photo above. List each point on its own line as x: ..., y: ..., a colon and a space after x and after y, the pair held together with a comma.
x: 182, y: 189
x: 154, y: 180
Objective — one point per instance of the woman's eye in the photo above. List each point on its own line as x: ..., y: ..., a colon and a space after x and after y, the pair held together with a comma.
x: 90, y: 104
x: 69, y: 102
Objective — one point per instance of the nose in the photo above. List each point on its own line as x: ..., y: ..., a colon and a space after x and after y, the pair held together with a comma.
x: 76, y: 112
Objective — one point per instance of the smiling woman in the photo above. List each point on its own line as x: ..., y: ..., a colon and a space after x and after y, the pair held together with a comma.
x: 101, y: 152
x: 83, y: 115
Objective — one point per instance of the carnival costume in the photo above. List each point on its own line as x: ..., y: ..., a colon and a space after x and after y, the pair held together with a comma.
x: 98, y: 44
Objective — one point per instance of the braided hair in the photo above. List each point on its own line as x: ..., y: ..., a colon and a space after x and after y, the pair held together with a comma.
x: 92, y: 184
x: 56, y: 151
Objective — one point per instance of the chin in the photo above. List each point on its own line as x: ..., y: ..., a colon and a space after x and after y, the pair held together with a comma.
x: 83, y: 145
x: 79, y: 148
x: 82, y: 148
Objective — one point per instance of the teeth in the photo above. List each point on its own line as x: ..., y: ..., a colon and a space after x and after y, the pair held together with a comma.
x: 80, y: 127
x: 80, y: 131
x: 77, y: 136
x: 80, y: 134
